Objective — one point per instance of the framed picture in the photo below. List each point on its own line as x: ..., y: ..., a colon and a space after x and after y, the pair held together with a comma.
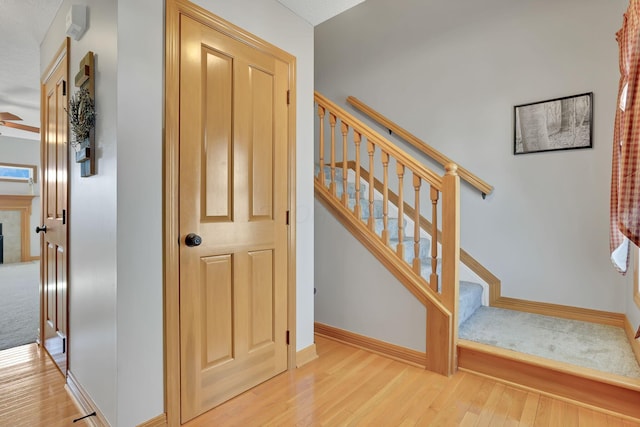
x: 557, y: 124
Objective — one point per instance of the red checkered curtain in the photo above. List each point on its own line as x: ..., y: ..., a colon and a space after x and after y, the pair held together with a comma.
x: 625, y: 175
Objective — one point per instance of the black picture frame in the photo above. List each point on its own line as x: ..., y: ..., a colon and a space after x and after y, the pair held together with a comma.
x: 556, y: 124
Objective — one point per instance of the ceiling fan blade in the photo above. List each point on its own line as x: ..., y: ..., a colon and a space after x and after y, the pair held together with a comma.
x: 8, y: 116
x: 21, y: 127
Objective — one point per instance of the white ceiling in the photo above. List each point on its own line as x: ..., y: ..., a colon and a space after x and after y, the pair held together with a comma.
x: 318, y: 11
x: 23, y: 25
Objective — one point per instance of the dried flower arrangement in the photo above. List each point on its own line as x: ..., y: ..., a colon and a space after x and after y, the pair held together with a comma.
x: 82, y: 115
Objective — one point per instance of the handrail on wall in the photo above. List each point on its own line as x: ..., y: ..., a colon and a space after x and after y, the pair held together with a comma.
x: 425, y: 148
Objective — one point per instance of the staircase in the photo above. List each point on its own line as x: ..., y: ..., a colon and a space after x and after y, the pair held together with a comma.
x: 359, y: 195
x: 470, y: 294
x: 413, y: 231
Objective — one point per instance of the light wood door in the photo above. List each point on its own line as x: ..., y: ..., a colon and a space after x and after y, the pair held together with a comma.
x: 53, y: 248
x: 233, y: 195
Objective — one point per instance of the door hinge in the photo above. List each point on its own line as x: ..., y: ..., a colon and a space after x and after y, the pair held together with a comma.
x: 287, y: 337
x: 287, y: 218
x: 288, y: 97
x: 64, y: 216
x: 64, y: 345
x: 64, y: 88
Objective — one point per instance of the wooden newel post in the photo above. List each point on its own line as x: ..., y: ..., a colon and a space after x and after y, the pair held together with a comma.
x: 451, y: 251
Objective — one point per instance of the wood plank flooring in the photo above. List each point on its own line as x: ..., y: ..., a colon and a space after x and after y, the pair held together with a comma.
x: 32, y: 390
x: 345, y: 386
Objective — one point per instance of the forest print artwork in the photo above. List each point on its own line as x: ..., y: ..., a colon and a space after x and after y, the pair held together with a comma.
x: 557, y: 124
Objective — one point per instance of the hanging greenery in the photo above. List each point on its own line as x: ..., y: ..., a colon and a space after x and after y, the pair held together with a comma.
x: 82, y: 114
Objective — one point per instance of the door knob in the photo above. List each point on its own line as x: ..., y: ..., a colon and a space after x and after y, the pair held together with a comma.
x: 192, y: 239
x: 42, y: 229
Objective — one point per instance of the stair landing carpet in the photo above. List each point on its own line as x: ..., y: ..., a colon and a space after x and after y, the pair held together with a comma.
x: 19, y: 303
x: 590, y: 345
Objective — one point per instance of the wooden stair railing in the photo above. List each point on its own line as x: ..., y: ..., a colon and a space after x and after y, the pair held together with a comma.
x: 441, y: 302
x: 489, y: 278
x: 425, y: 148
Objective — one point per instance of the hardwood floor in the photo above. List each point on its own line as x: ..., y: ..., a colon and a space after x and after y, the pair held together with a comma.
x: 345, y: 386
x: 32, y: 390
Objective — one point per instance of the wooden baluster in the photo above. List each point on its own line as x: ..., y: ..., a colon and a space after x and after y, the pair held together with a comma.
x: 345, y: 196
x: 416, y: 225
x: 385, y: 198
x: 400, y: 172
x: 332, y: 185
x: 370, y: 221
x: 321, y: 115
x: 357, y: 139
x: 433, y: 280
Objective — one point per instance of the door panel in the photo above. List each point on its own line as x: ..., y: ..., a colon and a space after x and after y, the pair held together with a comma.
x: 262, y: 148
x: 217, y: 293
x: 54, y: 214
x: 218, y: 161
x: 261, y: 294
x: 50, y: 312
x: 233, y: 194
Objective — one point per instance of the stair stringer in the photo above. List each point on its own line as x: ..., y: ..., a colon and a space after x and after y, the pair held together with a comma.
x: 441, y: 332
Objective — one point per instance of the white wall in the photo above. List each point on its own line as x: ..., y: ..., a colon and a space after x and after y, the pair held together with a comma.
x: 24, y: 152
x: 116, y: 216
x: 357, y: 293
x: 140, y: 388
x: 452, y: 77
x: 632, y: 309
x: 92, y: 213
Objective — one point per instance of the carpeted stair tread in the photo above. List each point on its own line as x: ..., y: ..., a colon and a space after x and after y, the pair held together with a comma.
x: 409, y: 253
x: 351, y: 188
x: 470, y: 293
x: 392, y: 227
x: 425, y: 267
x: 327, y: 171
x: 470, y: 300
x: 364, y: 207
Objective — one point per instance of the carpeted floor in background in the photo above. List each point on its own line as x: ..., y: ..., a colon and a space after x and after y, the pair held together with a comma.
x: 590, y: 345
x: 19, y: 303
